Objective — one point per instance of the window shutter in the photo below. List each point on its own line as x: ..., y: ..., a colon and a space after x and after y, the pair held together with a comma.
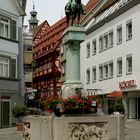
x: 13, y: 31
x: 13, y: 68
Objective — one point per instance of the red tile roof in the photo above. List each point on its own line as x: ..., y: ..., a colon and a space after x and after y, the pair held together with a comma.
x: 35, y: 32
x: 53, y: 34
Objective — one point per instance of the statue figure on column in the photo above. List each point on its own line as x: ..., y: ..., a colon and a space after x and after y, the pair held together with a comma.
x: 74, y: 9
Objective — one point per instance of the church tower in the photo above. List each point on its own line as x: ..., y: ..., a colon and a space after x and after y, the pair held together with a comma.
x: 33, y: 21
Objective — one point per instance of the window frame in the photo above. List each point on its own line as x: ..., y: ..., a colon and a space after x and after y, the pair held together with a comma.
x: 105, y: 41
x: 94, y: 74
x: 110, y: 69
x: 128, y: 34
x: 94, y: 47
x: 101, y: 73
x: 4, y: 23
x: 101, y: 44
x: 110, y: 39
x: 119, y: 65
x: 105, y: 70
x: 128, y: 68
x: 119, y: 35
x: 4, y: 68
x: 88, y: 76
x: 88, y: 50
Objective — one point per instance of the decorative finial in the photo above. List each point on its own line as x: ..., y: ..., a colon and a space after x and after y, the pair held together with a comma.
x: 33, y: 5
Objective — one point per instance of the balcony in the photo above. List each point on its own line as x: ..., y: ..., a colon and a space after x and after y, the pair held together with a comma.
x: 41, y: 72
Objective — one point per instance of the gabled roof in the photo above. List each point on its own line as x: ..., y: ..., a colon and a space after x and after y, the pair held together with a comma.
x: 44, y: 24
x: 53, y: 34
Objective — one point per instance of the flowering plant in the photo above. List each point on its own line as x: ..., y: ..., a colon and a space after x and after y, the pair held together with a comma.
x: 84, y: 102
x: 74, y: 102
x: 51, y: 103
x: 71, y: 102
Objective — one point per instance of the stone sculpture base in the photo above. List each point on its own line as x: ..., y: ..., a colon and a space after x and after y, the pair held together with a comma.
x: 76, y: 128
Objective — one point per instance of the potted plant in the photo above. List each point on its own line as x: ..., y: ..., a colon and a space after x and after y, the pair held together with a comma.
x: 119, y: 108
x: 19, y: 111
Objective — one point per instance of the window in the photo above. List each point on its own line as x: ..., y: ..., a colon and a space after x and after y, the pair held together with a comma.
x: 110, y: 41
x: 106, y: 71
x: 88, y: 50
x: 119, y: 35
x: 100, y: 44
x: 110, y: 69
x: 94, y: 74
x: 100, y: 72
x: 4, y: 67
x: 88, y: 75
x: 94, y: 47
x: 4, y: 27
x: 129, y: 64
x: 129, y: 30
x: 27, y: 68
x: 27, y: 48
x: 13, y: 29
x: 63, y: 68
x: 62, y: 49
x: 119, y: 66
x: 105, y: 41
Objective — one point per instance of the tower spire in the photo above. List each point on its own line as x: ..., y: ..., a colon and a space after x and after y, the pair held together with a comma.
x: 33, y: 21
x: 33, y: 5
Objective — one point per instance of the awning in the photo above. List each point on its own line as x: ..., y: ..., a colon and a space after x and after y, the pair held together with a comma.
x: 115, y: 94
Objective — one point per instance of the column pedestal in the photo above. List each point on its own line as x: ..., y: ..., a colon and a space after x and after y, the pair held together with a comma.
x: 71, y: 39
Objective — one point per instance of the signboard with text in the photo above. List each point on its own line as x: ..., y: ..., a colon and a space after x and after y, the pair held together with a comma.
x: 127, y: 84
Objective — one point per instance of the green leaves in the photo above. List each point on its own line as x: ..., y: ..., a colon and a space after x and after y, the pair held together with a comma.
x: 19, y: 111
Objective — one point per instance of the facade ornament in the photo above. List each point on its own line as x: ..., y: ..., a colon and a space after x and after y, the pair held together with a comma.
x: 88, y: 131
x: 26, y: 131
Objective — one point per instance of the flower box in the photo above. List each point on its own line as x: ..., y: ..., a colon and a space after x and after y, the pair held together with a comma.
x: 72, y: 105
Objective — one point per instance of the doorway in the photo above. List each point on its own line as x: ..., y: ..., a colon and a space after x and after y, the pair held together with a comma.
x: 138, y: 108
x: 5, y: 113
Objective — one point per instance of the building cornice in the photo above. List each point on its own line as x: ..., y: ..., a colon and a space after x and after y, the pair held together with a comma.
x: 9, y: 79
x: 113, y: 16
x: 8, y: 39
x: 19, y: 8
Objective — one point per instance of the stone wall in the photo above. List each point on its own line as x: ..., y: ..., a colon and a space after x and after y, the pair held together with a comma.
x: 74, y: 128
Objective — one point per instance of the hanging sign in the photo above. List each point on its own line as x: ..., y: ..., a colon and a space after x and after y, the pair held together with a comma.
x: 93, y: 103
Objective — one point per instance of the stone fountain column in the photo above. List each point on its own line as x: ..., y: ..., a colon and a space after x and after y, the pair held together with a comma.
x: 71, y: 39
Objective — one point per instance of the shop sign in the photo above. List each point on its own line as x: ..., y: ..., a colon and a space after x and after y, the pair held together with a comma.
x: 93, y: 103
x: 127, y: 84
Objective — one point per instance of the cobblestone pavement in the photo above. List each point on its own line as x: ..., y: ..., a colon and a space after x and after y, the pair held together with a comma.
x: 10, y: 134
x: 132, y: 132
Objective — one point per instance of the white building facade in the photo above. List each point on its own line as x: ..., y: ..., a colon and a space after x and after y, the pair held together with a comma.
x: 11, y: 20
x: 110, y: 54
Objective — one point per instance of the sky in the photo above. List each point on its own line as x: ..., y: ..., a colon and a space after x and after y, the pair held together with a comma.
x: 50, y: 10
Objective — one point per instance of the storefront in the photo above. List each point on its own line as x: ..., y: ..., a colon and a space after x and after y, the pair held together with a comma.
x: 5, y: 111
x: 131, y: 97
x: 115, y: 102
x: 133, y: 103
